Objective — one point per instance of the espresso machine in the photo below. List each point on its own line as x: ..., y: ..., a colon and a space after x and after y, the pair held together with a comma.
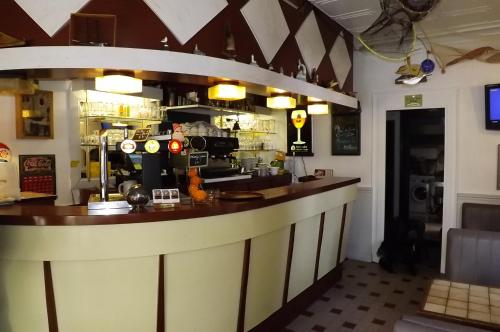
x: 221, y: 163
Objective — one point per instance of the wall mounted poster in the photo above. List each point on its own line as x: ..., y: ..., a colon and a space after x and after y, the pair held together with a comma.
x: 346, y: 134
x: 299, y: 133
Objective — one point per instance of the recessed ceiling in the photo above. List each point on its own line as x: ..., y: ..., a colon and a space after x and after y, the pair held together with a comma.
x: 458, y: 23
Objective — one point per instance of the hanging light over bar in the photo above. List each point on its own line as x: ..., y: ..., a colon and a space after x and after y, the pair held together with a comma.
x: 317, y: 106
x: 227, y: 91
x: 117, y: 81
x: 281, y: 101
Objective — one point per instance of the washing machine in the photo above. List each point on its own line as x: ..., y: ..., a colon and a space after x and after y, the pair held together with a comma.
x: 420, y: 194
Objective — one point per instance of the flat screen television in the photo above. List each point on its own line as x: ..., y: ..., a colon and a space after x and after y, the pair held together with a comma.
x: 492, y: 104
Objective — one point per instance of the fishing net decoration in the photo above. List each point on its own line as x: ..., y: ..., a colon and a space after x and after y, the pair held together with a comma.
x: 392, y: 36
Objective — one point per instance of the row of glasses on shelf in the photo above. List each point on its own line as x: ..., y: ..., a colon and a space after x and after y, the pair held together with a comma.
x: 267, y: 126
x: 255, y: 143
x: 114, y: 136
x: 119, y: 110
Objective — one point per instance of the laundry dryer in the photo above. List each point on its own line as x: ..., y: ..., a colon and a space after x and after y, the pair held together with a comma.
x: 420, y: 194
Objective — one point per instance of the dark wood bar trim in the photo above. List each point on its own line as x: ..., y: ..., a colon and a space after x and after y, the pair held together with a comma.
x: 278, y: 320
x: 50, y: 298
x: 318, y: 250
x: 288, y: 263
x: 339, y: 252
x: 244, y: 285
x: 33, y: 215
x: 160, y: 314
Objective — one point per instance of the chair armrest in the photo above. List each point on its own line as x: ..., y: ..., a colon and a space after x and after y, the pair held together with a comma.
x: 413, y: 323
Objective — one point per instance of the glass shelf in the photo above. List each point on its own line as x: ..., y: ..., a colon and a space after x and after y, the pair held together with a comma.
x: 252, y: 132
x: 254, y: 150
x: 104, y: 117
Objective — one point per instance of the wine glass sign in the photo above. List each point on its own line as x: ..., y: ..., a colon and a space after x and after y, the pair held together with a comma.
x: 299, y: 120
x: 299, y: 133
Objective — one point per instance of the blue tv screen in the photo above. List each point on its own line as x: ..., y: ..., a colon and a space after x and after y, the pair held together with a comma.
x: 492, y: 103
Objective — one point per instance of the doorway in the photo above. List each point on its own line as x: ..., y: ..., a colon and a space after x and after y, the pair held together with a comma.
x: 414, y: 188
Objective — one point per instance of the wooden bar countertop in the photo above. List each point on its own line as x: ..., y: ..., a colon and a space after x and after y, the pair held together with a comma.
x: 43, y: 215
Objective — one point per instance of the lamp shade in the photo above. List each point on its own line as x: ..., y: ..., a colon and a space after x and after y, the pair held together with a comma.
x: 317, y: 108
x: 227, y: 91
x: 281, y: 102
x: 118, y: 82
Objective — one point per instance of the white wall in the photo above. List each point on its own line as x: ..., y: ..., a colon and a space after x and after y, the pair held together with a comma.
x: 60, y: 145
x: 476, y: 156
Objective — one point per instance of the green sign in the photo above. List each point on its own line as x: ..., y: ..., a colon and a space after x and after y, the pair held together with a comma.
x: 413, y: 101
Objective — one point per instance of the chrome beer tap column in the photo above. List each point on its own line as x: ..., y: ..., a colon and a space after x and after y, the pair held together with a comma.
x: 103, y: 167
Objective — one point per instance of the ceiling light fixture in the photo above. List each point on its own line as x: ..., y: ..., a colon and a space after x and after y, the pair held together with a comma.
x: 118, y: 81
x: 227, y: 90
x: 281, y: 101
x: 317, y: 106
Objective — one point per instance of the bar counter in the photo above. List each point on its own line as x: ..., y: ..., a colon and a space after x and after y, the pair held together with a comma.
x: 79, y: 215
x: 230, y: 266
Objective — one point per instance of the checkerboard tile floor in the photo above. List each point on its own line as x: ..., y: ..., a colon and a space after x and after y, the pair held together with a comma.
x: 367, y: 298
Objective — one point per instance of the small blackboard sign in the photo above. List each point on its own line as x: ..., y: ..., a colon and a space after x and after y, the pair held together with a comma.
x: 346, y: 134
x: 198, y: 159
x: 141, y: 135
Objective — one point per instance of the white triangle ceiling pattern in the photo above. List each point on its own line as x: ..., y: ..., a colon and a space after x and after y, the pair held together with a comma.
x: 185, y: 18
x: 310, y: 42
x: 341, y: 62
x: 51, y: 15
x: 268, y: 25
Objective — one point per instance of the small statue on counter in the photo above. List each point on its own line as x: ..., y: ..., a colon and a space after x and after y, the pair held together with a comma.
x: 270, y: 67
x: 315, y: 76
x: 302, y: 73
x: 333, y: 85
x: 253, y: 62
x: 282, y: 71
x: 9, y: 41
x: 164, y: 41
x: 229, y: 43
x: 197, y: 50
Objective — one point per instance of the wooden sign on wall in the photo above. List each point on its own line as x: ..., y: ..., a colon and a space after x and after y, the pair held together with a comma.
x: 35, y: 115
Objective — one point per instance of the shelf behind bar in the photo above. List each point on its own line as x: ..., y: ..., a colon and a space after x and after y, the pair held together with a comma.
x: 160, y: 61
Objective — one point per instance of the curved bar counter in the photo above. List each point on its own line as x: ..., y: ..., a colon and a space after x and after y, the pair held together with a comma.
x: 232, y: 266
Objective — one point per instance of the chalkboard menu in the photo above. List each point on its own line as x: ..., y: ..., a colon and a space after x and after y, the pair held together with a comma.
x: 37, y: 173
x: 141, y: 134
x: 346, y: 133
x: 198, y: 159
x: 299, y: 140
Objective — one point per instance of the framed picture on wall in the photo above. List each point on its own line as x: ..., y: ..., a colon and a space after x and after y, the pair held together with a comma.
x: 35, y: 115
x: 346, y: 134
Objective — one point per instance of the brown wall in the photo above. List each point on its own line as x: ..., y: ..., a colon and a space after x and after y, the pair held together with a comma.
x: 139, y: 27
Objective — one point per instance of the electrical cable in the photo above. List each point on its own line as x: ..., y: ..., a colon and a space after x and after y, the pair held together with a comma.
x: 384, y: 57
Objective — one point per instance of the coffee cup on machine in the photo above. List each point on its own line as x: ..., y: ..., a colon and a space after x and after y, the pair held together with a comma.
x: 124, y: 187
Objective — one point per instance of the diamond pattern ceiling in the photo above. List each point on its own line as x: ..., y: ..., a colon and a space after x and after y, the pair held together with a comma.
x: 51, y: 15
x: 267, y: 22
x: 341, y: 62
x: 185, y: 18
x: 310, y: 43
